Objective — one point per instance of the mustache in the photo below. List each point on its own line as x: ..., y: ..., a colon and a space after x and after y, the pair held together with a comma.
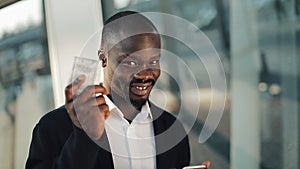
x: 150, y: 80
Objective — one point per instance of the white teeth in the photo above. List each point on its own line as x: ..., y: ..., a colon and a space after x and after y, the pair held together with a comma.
x: 141, y: 88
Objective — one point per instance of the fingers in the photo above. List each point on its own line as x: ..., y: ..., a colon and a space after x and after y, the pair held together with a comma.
x: 95, y: 111
x: 89, y: 104
x: 86, y: 108
x: 88, y: 92
x: 71, y: 89
x: 91, y: 91
x: 93, y: 104
x: 104, y: 109
x: 95, y: 107
x: 95, y: 101
x: 206, y: 163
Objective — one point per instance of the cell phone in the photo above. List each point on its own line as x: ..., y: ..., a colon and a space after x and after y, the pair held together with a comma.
x: 195, y: 167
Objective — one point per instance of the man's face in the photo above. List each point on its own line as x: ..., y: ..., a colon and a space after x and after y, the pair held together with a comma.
x: 133, y: 67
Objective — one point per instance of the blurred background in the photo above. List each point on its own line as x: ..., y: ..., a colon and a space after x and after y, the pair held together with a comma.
x: 258, y: 42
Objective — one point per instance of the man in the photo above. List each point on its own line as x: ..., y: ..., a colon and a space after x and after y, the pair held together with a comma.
x: 114, y: 125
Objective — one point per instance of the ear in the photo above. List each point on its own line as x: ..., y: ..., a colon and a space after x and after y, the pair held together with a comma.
x: 102, y: 57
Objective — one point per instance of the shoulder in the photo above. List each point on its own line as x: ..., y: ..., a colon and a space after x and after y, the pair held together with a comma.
x: 56, y: 120
x: 55, y: 116
x: 165, y: 119
x: 159, y: 113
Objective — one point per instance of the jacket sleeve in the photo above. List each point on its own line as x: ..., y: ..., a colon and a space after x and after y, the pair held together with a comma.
x: 47, y: 152
x: 184, y: 159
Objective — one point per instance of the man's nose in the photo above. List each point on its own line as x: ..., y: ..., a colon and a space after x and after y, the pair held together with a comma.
x: 144, y: 74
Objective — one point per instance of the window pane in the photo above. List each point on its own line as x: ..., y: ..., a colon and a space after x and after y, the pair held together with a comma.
x: 211, y: 17
x: 259, y: 49
x: 25, y: 79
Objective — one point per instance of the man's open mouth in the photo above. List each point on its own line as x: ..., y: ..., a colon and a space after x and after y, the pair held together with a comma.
x: 141, y: 88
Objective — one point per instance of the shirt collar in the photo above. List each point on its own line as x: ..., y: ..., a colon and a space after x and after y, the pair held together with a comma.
x: 140, y: 117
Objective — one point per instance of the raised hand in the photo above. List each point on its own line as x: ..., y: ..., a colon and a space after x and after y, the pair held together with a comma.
x: 86, y: 110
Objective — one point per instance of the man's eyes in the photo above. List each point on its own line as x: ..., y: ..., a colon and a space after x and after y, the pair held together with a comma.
x: 154, y: 62
x: 129, y: 63
x: 133, y: 63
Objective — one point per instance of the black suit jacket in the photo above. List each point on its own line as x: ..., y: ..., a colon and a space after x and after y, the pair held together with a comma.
x: 58, y: 144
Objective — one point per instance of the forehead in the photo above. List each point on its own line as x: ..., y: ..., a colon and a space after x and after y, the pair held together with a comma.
x: 137, y: 43
x: 126, y: 30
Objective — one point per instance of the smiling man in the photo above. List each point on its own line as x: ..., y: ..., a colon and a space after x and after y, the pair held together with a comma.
x: 114, y: 125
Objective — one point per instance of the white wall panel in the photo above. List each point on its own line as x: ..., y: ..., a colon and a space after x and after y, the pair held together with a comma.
x: 70, y: 23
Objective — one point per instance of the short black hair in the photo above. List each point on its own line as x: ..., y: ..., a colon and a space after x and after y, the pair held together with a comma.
x: 124, y: 24
x: 119, y: 15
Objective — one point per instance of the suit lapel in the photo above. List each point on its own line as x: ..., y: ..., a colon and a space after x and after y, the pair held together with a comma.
x: 159, y: 127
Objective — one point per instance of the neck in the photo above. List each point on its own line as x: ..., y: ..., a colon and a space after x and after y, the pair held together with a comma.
x: 128, y: 108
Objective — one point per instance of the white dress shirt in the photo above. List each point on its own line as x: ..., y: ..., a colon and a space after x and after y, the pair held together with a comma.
x: 132, y: 145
